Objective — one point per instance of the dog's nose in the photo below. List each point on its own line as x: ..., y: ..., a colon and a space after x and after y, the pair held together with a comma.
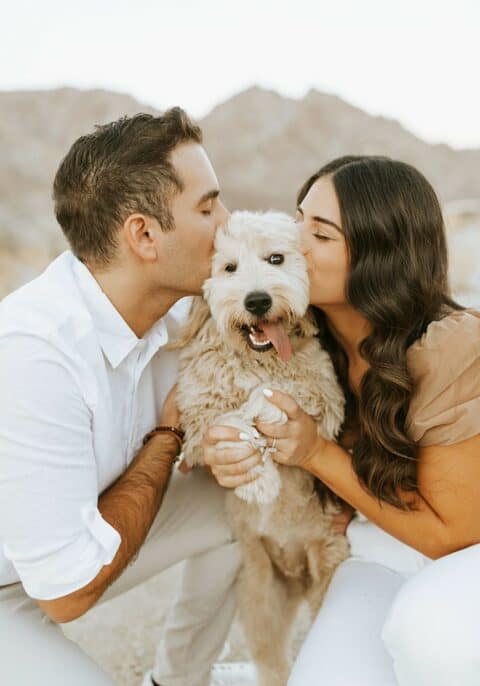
x: 258, y: 302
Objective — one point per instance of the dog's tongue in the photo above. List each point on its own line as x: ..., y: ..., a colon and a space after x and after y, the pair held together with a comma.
x: 278, y: 336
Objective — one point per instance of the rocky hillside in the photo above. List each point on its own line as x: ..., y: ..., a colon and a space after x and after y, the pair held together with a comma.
x: 263, y: 146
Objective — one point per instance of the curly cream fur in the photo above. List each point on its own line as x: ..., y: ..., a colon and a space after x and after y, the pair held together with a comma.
x: 290, y: 551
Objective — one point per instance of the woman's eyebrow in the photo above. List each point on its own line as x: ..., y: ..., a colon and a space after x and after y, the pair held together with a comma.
x: 322, y: 220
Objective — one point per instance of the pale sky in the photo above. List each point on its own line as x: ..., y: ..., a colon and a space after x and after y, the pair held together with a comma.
x: 417, y: 61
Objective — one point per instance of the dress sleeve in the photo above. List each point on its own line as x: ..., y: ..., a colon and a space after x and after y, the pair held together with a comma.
x: 50, y: 527
x: 445, y: 366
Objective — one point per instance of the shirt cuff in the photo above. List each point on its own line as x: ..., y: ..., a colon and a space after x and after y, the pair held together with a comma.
x: 63, y: 569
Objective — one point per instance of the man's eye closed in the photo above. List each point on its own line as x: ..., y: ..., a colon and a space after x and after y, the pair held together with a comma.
x: 231, y: 267
x: 207, y: 208
x: 276, y: 259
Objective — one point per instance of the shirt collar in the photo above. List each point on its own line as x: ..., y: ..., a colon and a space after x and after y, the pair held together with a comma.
x: 116, y: 338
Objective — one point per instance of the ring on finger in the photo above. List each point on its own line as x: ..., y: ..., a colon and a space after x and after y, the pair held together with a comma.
x: 267, y: 450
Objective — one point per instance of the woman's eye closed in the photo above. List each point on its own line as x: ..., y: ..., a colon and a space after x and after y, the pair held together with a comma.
x: 321, y: 236
x: 231, y: 267
x: 276, y: 259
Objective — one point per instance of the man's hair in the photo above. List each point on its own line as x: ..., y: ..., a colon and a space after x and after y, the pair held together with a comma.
x: 121, y: 168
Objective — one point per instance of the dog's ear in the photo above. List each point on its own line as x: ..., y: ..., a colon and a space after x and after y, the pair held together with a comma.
x: 198, y: 315
x: 307, y: 326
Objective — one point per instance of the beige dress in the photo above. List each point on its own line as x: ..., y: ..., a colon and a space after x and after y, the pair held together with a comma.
x: 445, y: 409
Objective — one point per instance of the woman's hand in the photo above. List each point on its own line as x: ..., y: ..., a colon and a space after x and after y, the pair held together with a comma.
x: 230, y: 466
x: 296, y: 441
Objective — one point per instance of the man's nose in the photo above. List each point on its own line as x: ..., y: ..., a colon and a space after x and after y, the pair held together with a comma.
x: 303, y: 241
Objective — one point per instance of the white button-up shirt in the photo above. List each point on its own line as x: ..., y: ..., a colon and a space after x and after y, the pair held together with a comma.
x: 78, y: 391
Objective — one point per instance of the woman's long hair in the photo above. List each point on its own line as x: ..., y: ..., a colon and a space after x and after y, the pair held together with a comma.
x: 398, y: 280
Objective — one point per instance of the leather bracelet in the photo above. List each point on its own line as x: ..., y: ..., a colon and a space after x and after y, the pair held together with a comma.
x: 177, y: 433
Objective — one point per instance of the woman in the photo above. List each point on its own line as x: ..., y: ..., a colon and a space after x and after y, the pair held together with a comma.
x: 404, y: 607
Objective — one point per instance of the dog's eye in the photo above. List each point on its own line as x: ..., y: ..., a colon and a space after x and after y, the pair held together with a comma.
x: 276, y: 259
x: 231, y: 267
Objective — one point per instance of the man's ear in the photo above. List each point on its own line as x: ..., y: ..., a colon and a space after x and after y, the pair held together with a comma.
x: 139, y: 231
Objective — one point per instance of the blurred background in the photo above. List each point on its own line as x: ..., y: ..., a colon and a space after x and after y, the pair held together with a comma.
x: 279, y: 89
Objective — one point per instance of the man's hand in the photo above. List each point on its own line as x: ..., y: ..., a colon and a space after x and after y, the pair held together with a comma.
x: 170, y: 416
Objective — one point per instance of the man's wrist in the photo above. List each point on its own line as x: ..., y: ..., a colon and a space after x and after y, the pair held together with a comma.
x: 171, y: 429
x: 163, y: 447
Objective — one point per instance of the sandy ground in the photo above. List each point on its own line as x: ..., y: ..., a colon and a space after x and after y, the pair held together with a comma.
x: 122, y: 634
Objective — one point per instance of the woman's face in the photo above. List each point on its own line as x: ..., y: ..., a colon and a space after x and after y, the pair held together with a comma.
x: 324, y: 245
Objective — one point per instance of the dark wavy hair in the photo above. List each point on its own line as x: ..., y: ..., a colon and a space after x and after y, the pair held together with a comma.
x: 398, y: 280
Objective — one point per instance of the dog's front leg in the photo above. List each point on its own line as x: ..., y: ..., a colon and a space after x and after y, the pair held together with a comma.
x: 265, y: 488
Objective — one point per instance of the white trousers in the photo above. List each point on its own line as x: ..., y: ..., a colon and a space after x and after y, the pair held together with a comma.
x: 392, y: 617
x: 191, y: 523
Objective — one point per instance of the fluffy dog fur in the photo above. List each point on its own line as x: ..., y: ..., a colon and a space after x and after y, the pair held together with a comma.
x: 290, y: 551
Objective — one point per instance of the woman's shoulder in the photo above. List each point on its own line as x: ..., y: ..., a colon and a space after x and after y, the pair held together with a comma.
x: 445, y: 367
x: 442, y: 333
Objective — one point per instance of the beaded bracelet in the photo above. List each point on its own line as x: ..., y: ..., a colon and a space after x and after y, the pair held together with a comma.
x: 179, y: 435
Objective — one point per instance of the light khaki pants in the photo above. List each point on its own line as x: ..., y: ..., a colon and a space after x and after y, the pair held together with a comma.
x: 190, y: 525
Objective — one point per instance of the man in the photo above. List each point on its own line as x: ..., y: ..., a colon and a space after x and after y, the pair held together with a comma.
x: 84, y: 509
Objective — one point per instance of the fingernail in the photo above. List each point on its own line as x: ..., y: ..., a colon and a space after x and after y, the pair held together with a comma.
x: 267, y: 392
x: 244, y: 437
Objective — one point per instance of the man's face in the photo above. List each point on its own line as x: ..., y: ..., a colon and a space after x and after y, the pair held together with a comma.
x: 197, y: 212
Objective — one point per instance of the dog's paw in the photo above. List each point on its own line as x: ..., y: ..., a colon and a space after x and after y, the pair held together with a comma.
x: 257, y: 408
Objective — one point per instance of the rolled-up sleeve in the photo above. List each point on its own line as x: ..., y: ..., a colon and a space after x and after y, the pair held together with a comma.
x: 50, y: 526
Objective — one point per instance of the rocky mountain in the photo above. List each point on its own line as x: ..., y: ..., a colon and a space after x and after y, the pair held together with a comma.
x: 262, y: 145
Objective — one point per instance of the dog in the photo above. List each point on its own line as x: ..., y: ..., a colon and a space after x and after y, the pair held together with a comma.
x: 251, y: 330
